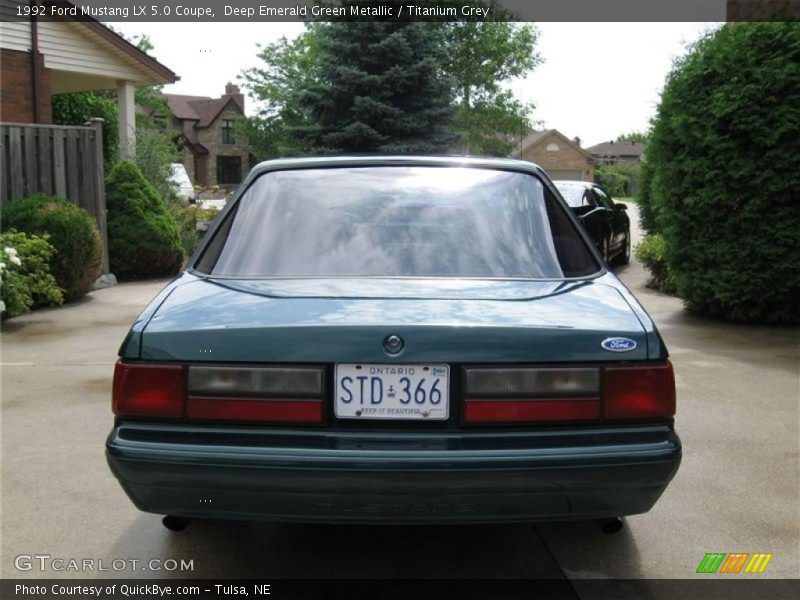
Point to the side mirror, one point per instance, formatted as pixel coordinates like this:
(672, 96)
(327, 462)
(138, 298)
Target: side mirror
(621, 206)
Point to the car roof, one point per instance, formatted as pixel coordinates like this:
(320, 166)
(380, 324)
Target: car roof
(377, 160)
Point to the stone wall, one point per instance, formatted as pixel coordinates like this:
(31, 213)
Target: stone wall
(211, 138)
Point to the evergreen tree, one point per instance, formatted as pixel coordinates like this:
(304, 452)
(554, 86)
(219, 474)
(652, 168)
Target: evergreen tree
(377, 87)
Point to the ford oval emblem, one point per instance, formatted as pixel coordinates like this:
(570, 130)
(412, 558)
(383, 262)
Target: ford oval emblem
(393, 344)
(618, 344)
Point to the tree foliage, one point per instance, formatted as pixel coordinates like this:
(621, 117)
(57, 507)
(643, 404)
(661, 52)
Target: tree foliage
(155, 153)
(725, 152)
(371, 64)
(286, 66)
(639, 137)
(79, 107)
(481, 58)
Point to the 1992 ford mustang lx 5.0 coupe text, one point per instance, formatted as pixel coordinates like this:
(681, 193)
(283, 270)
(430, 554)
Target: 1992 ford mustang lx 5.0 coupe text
(394, 339)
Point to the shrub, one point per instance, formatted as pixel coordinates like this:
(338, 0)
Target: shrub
(143, 238)
(187, 216)
(651, 252)
(77, 260)
(725, 151)
(616, 179)
(25, 278)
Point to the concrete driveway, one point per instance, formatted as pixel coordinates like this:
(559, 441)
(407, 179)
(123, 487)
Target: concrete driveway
(738, 489)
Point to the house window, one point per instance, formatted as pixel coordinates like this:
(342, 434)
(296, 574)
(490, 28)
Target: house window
(229, 170)
(227, 132)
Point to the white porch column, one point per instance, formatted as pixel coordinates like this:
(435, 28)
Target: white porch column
(127, 120)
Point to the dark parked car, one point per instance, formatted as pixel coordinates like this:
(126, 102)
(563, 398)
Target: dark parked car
(606, 221)
(394, 340)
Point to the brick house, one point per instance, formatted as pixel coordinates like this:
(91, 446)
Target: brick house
(561, 157)
(213, 152)
(42, 58)
(629, 154)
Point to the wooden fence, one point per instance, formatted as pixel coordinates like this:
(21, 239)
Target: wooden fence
(57, 161)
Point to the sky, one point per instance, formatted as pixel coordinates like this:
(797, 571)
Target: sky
(597, 81)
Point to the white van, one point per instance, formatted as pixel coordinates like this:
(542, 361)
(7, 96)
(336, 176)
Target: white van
(181, 184)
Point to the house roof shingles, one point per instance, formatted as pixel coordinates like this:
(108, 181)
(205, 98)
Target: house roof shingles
(201, 108)
(632, 149)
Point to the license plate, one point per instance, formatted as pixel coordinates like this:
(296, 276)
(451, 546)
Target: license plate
(392, 392)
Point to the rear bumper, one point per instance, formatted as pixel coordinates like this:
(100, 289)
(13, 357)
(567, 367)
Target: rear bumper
(316, 476)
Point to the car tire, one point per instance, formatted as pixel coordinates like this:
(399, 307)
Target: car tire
(624, 257)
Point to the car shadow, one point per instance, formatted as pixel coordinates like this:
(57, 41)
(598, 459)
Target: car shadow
(245, 549)
(253, 549)
(598, 565)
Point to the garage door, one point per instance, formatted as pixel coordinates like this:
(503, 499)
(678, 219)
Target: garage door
(570, 175)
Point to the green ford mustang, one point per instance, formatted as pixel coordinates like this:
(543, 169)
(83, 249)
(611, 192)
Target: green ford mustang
(394, 340)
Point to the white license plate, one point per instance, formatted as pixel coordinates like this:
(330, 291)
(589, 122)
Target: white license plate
(392, 392)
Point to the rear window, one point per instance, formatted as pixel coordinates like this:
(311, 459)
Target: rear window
(575, 195)
(397, 221)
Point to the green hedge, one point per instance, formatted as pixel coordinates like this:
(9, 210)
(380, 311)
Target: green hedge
(77, 260)
(644, 199)
(725, 152)
(143, 238)
(25, 274)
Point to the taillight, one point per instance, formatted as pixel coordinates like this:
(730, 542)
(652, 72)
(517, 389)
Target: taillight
(532, 394)
(495, 395)
(233, 409)
(255, 381)
(646, 392)
(230, 393)
(148, 390)
(532, 382)
(499, 411)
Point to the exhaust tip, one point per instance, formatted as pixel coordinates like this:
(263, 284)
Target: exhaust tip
(176, 524)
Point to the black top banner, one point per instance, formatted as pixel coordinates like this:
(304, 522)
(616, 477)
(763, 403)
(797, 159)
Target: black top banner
(181, 11)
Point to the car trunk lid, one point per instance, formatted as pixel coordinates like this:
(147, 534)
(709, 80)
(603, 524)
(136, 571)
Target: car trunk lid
(347, 320)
